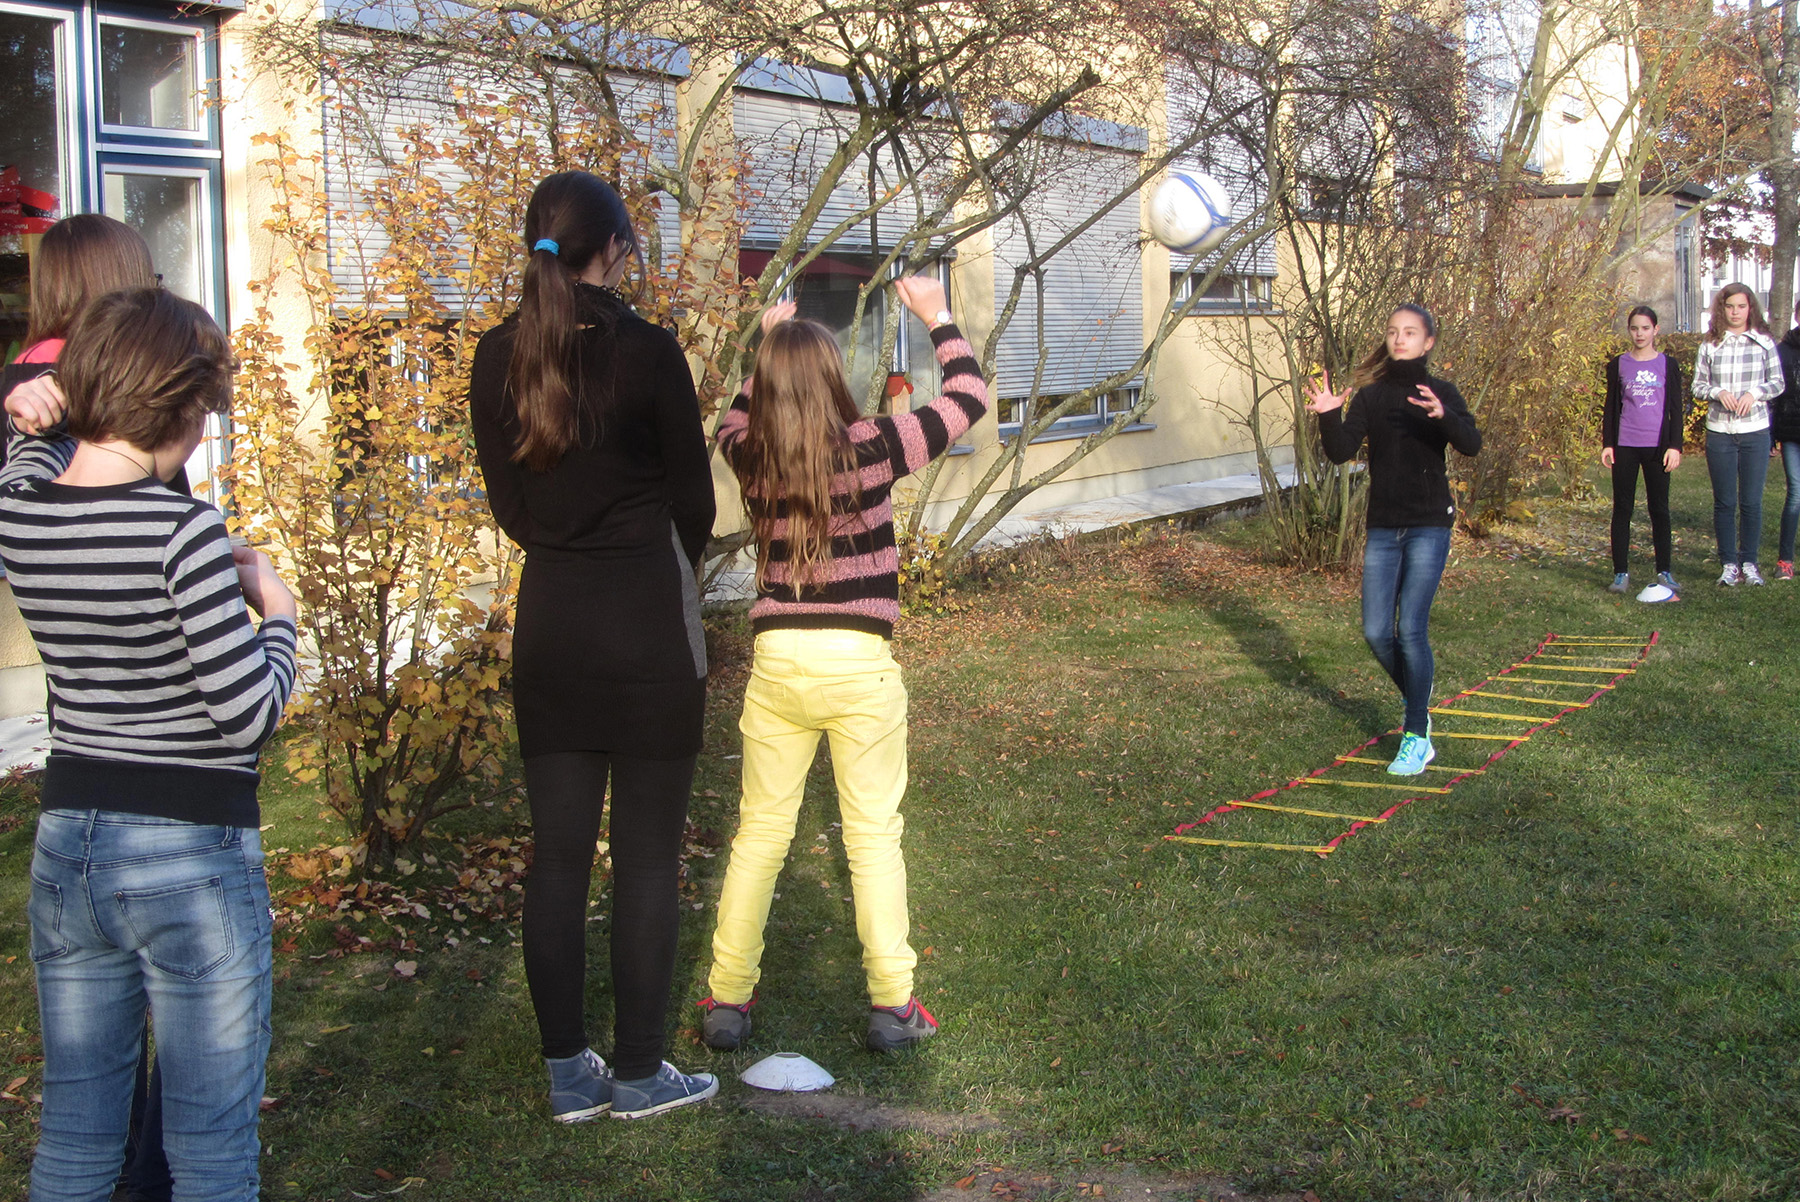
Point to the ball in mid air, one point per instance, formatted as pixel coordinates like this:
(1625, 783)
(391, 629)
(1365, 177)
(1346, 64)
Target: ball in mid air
(1190, 213)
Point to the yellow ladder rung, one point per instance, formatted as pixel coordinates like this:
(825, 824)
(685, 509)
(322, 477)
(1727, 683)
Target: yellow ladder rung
(1555, 668)
(1363, 759)
(1608, 659)
(1534, 700)
(1579, 684)
(1439, 709)
(1369, 784)
(1323, 851)
(1588, 643)
(1263, 805)
(1447, 734)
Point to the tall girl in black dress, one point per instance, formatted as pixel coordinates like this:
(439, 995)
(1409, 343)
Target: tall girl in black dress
(590, 443)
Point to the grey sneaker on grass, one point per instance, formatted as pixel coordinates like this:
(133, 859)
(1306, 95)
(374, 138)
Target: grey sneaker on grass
(1668, 582)
(581, 1087)
(1750, 573)
(1621, 582)
(669, 1088)
(894, 1027)
(726, 1025)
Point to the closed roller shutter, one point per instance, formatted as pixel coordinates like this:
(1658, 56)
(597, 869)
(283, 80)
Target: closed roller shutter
(1093, 291)
(366, 132)
(787, 142)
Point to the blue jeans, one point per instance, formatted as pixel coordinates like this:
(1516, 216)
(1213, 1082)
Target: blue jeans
(1790, 511)
(1401, 569)
(129, 911)
(1738, 465)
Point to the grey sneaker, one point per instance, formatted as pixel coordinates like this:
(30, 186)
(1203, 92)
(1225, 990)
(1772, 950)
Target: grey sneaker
(581, 1087)
(668, 1089)
(1668, 582)
(1730, 576)
(894, 1027)
(1621, 582)
(1751, 574)
(726, 1025)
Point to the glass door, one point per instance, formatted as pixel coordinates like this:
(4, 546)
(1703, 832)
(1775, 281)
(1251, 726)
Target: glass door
(36, 174)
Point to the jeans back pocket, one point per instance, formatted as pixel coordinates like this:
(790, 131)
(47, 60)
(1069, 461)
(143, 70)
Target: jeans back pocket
(184, 930)
(45, 909)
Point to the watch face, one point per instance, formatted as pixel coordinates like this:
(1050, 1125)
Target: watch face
(943, 316)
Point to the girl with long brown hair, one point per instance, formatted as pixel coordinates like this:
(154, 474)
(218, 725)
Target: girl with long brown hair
(1408, 417)
(817, 480)
(596, 464)
(1737, 373)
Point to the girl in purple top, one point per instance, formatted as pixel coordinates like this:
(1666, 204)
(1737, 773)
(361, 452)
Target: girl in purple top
(1641, 428)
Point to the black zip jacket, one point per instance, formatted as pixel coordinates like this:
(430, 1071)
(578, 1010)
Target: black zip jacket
(1675, 407)
(1407, 484)
(1784, 410)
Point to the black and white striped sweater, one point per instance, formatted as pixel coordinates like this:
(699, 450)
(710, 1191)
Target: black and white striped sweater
(161, 689)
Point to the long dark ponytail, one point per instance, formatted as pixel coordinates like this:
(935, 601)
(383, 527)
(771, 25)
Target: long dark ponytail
(572, 217)
(1376, 363)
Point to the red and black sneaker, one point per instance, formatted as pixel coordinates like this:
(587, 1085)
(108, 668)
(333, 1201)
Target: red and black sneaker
(894, 1027)
(726, 1025)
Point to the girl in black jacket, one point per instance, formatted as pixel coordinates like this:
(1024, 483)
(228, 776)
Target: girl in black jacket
(594, 461)
(1408, 418)
(1641, 427)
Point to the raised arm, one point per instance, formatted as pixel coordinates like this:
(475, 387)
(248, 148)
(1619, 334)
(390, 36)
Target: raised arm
(35, 456)
(245, 674)
(917, 437)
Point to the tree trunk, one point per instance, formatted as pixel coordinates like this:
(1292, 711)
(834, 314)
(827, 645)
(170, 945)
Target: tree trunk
(1778, 48)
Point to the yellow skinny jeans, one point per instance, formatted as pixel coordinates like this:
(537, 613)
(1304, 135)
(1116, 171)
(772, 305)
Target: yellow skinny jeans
(845, 684)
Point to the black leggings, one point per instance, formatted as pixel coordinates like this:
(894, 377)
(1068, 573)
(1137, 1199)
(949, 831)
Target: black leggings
(649, 811)
(1626, 461)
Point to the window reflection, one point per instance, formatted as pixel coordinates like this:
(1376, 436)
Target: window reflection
(148, 78)
(166, 210)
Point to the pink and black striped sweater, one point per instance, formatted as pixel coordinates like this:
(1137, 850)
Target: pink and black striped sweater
(860, 588)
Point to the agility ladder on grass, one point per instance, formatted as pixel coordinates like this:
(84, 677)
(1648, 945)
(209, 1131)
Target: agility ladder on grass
(1599, 664)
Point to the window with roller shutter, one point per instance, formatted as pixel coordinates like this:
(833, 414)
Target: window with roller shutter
(1229, 113)
(1092, 314)
(367, 133)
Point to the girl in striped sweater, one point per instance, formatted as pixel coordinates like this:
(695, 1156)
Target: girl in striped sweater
(817, 481)
(147, 881)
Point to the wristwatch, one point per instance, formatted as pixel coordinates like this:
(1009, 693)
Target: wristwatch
(940, 318)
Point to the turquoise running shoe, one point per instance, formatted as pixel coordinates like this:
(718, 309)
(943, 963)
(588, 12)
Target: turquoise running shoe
(1415, 752)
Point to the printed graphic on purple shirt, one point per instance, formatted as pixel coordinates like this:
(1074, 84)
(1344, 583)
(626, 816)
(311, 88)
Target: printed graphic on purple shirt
(1641, 416)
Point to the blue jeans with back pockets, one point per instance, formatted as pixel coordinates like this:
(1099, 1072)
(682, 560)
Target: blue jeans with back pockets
(1401, 569)
(128, 912)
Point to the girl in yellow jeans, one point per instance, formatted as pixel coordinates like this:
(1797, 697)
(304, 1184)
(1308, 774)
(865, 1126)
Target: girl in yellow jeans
(817, 480)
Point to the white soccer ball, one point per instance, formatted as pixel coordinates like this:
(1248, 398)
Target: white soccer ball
(1189, 212)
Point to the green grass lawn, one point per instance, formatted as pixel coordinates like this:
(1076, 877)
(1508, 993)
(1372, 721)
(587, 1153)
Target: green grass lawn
(1574, 977)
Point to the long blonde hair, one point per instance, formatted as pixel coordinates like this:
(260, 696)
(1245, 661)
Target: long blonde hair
(798, 440)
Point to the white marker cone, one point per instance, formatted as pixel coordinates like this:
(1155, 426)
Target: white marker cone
(787, 1072)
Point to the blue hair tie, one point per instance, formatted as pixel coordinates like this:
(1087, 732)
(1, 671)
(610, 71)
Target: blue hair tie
(548, 244)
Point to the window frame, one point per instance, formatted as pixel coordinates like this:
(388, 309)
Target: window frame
(1181, 287)
(205, 75)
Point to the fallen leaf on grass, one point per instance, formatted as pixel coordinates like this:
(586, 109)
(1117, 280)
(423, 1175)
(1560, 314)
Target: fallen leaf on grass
(1564, 1114)
(966, 1182)
(406, 968)
(334, 1030)
(384, 1174)
(269, 1103)
(1625, 1137)
(1056, 1062)
(1418, 1103)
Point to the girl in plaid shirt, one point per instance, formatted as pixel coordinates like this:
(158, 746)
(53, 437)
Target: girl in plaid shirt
(1737, 374)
